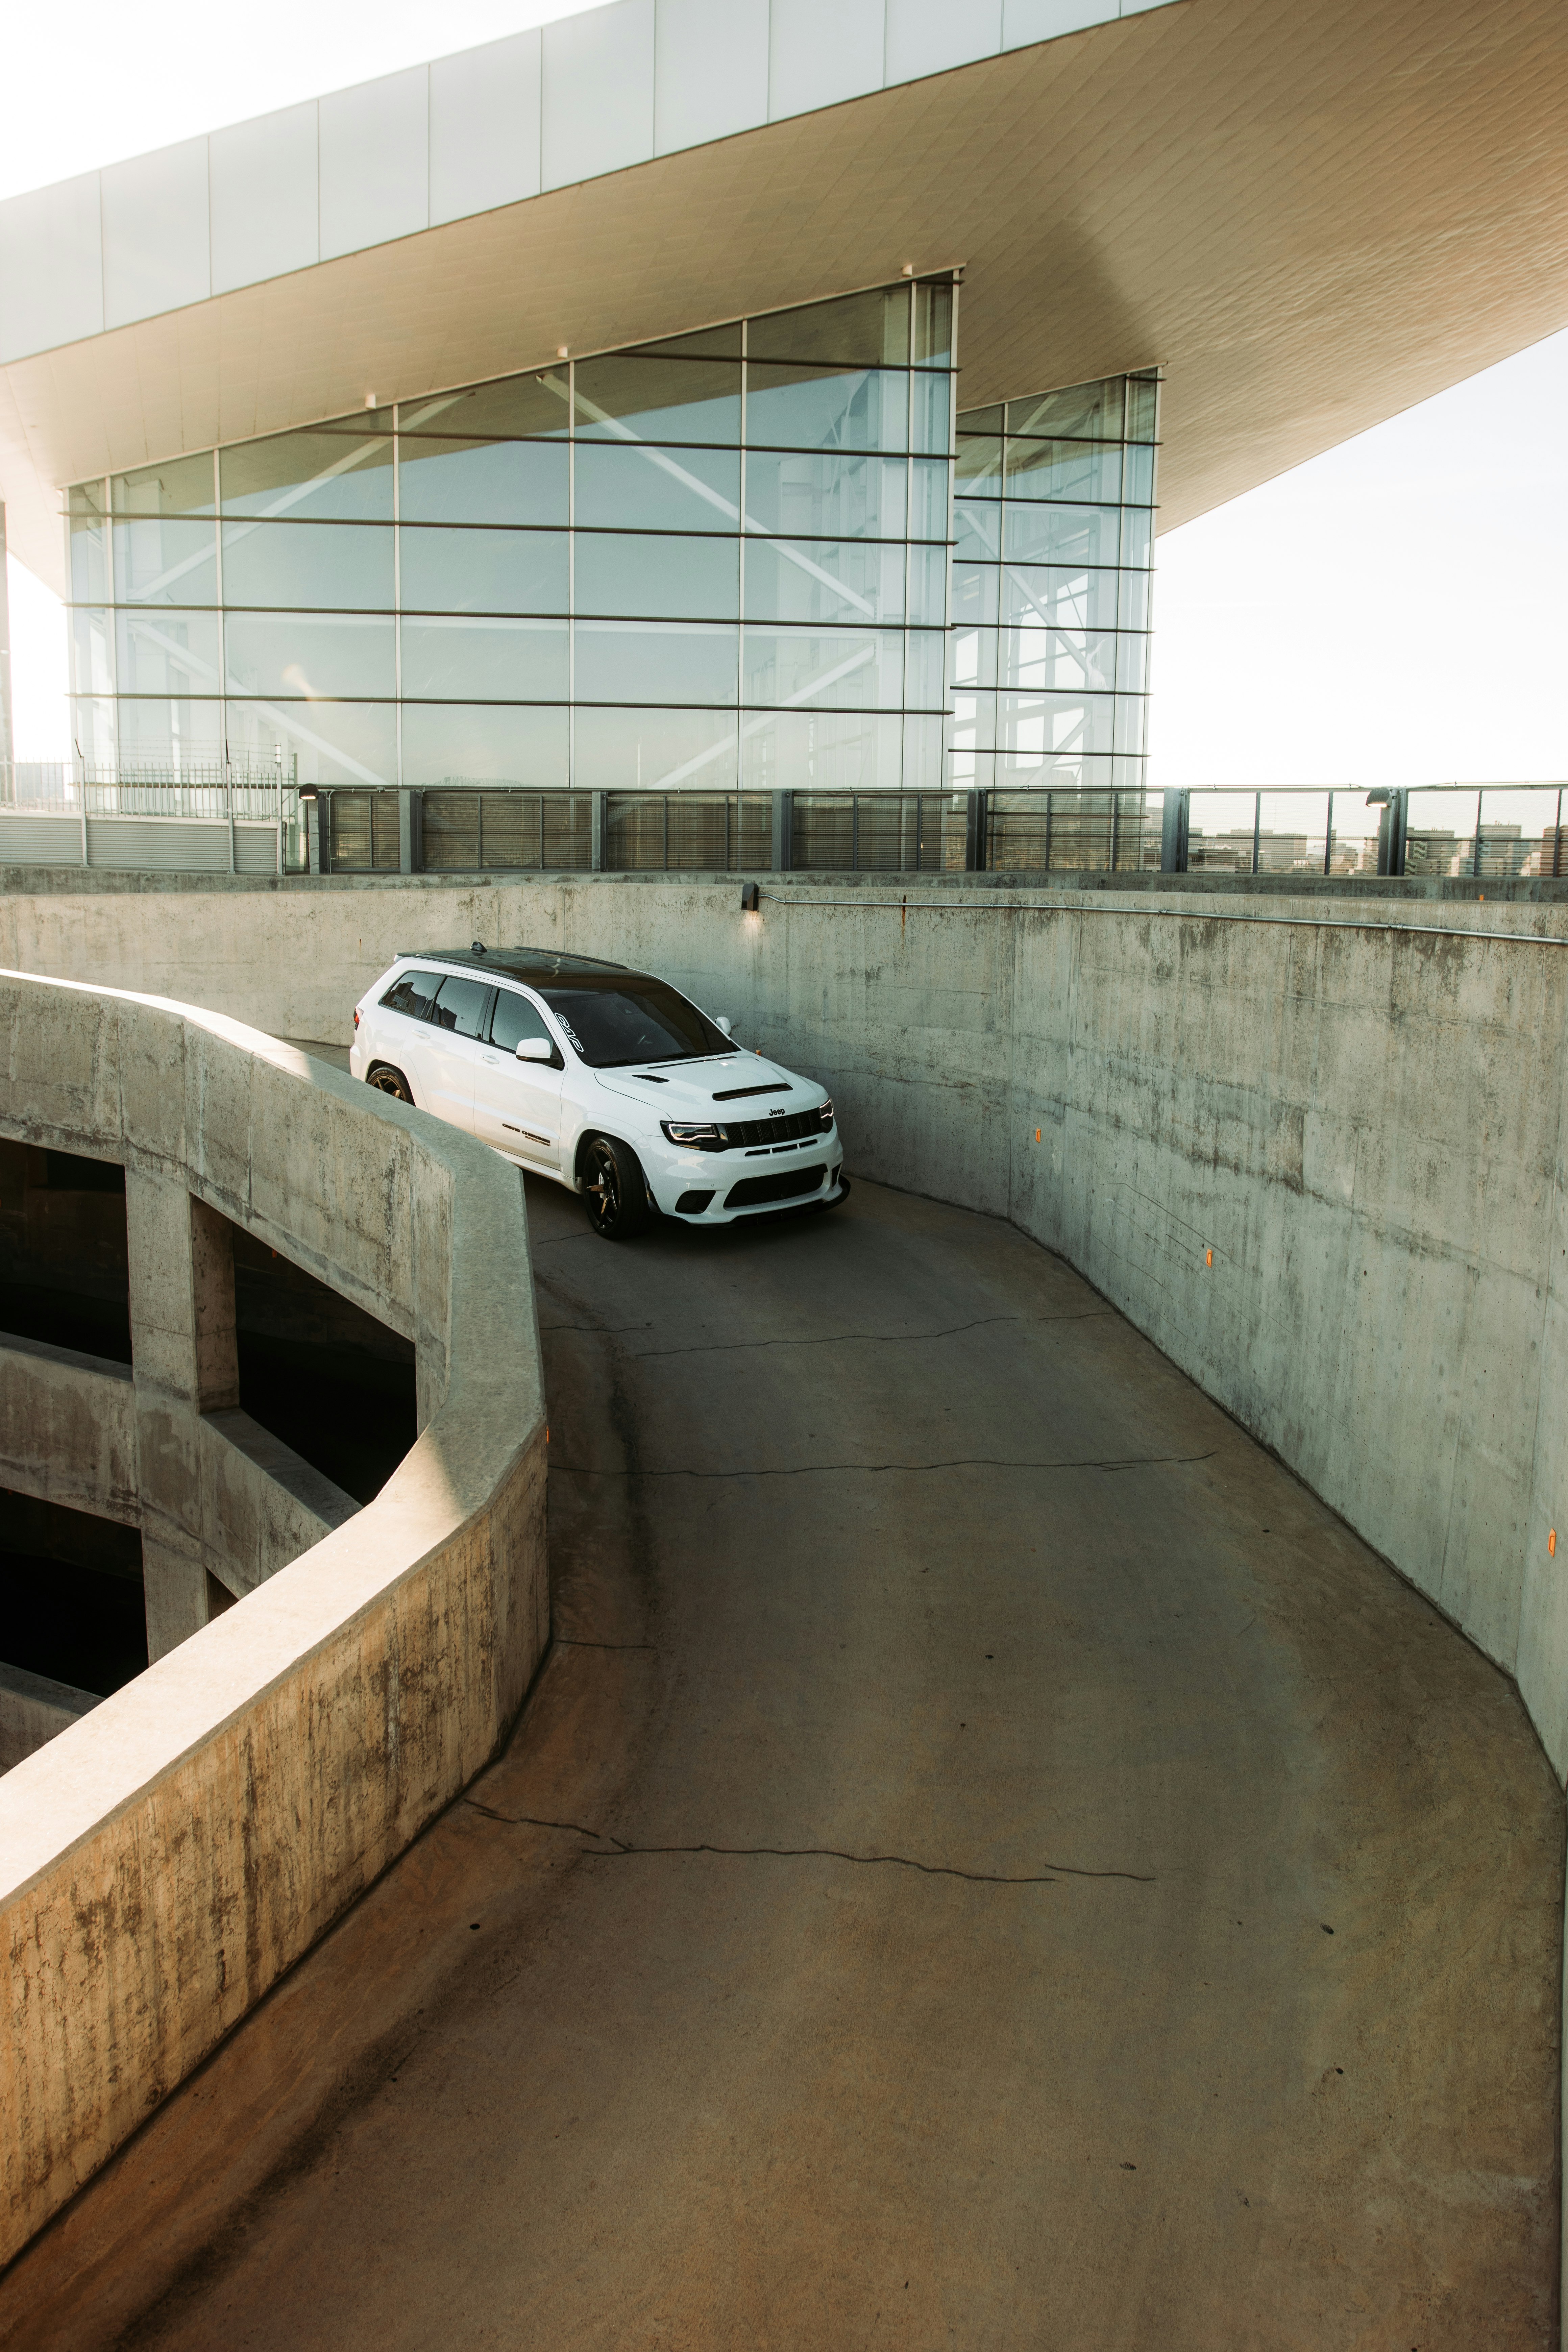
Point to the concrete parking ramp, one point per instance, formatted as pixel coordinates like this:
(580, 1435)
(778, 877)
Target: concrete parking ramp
(989, 1861)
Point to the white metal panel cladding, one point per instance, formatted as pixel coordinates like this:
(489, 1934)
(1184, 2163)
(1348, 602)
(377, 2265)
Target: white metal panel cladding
(1027, 21)
(597, 104)
(265, 199)
(51, 268)
(823, 51)
(711, 71)
(463, 135)
(156, 252)
(484, 127)
(375, 162)
(927, 37)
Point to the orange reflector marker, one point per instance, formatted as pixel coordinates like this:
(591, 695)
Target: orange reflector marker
(1552, 1543)
(1208, 1257)
(1037, 1135)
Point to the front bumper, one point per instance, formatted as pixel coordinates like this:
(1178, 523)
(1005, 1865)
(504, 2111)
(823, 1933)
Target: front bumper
(697, 1188)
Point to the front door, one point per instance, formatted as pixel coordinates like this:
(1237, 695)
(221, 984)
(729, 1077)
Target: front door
(517, 1105)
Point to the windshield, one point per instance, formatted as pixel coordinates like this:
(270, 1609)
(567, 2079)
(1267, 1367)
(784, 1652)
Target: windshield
(630, 1019)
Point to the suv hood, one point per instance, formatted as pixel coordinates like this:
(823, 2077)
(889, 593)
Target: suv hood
(687, 1092)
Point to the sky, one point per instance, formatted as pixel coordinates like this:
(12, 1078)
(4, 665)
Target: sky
(1323, 629)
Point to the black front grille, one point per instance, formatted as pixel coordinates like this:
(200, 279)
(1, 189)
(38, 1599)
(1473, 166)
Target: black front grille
(788, 1130)
(785, 1186)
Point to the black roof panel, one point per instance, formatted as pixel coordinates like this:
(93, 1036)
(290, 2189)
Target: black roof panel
(532, 964)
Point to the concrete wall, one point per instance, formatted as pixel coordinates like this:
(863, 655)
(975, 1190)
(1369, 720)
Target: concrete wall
(68, 1429)
(1363, 1126)
(34, 1709)
(164, 1859)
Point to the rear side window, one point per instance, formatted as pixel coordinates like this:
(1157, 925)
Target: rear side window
(413, 993)
(514, 1019)
(460, 1006)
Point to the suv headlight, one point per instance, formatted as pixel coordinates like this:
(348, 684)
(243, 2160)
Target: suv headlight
(685, 1132)
(827, 1115)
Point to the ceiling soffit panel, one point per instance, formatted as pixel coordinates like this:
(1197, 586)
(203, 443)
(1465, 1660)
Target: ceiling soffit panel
(1311, 217)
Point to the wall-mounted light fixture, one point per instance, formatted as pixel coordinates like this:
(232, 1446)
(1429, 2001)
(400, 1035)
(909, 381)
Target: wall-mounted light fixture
(308, 793)
(750, 898)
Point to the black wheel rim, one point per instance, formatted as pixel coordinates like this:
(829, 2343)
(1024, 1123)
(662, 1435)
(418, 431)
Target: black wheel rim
(384, 1082)
(603, 1186)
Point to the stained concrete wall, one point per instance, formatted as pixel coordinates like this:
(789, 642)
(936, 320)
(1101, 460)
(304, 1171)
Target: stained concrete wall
(34, 1709)
(1363, 1126)
(68, 1428)
(164, 1859)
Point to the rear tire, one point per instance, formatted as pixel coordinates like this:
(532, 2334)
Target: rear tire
(615, 1190)
(388, 1081)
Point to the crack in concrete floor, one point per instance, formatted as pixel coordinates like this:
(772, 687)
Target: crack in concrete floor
(623, 1850)
(878, 1469)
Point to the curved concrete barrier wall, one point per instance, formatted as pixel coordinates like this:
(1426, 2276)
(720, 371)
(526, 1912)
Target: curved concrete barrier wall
(1363, 1126)
(168, 1856)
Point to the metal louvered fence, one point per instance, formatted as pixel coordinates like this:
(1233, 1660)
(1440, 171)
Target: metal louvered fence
(218, 819)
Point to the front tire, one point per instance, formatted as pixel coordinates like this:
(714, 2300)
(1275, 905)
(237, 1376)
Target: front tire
(388, 1081)
(615, 1190)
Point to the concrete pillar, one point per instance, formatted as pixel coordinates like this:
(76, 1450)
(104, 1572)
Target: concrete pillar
(8, 745)
(410, 808)
(783, 832)
(1174, 832)
(183, 1363)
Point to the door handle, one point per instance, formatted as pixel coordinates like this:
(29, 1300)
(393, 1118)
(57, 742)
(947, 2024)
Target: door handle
(491, 1059)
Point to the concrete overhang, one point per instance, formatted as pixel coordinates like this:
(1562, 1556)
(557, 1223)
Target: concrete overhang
(1311, 212)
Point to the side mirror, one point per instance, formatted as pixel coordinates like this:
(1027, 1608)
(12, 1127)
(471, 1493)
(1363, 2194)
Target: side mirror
(536, 1049)
(723, 1019)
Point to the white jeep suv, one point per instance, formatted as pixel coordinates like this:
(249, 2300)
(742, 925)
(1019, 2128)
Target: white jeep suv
(607, 1079)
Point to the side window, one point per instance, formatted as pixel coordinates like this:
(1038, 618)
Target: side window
(514, 1019)
(413, 993)
(460, 1006)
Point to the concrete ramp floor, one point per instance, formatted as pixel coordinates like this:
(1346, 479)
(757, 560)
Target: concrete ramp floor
(989, 1862)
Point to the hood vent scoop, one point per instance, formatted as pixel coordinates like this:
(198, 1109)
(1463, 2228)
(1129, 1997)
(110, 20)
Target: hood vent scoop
(733, 1094)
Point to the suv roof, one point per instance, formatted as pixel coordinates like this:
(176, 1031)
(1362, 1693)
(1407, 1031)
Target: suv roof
(532, 964)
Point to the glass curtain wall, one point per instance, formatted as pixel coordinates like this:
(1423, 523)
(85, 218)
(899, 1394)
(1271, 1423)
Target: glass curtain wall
(1053, 548)
(716, 563)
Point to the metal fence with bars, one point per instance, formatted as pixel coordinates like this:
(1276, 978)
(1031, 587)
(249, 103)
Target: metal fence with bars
(212, 817)
(219, 817)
